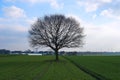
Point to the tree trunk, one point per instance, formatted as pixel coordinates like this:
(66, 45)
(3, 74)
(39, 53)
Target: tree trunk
(56, 53)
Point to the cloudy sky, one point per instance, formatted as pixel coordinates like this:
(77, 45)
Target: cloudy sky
(100, 19)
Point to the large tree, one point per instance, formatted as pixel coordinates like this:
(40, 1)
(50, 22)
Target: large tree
(56, 32)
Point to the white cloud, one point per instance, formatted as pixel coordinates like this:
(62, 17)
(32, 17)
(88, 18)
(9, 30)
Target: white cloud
(20, 28)
(92, 5)
(106, 12)
(110, 14)
(31, 21)
(14, 27)
(53, 3)
(89, 6)
(15, 20)
(75, 16)
(104, 37)
(16, 24)
(14, 12)
(94, 16)
(105, 1)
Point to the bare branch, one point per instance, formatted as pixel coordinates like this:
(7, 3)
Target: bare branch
(56, 32)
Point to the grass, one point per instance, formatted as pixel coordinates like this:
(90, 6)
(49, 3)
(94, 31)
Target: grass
(21, 67)
(65, 70)
(18, 67)
(107, 67)
(39, 68)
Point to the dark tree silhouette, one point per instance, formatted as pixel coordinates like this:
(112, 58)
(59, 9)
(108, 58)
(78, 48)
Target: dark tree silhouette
(56, 32)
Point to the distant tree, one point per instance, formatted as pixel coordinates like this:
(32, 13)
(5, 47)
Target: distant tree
(4, 51)
(56, 32)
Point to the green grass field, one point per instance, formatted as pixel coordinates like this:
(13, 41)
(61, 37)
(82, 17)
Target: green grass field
(107, 67)
(68, 68)
(39, 68)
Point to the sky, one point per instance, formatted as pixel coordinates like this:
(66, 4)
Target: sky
(99, 18)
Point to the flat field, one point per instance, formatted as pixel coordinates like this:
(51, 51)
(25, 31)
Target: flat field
(39, 68)
(103, 67)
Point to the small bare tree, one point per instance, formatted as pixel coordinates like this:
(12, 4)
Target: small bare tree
(56, 32)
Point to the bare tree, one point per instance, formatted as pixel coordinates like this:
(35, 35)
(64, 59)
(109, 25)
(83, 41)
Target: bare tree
(56, 32)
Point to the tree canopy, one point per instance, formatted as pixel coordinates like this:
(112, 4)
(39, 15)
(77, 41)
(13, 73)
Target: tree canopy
(56, 31)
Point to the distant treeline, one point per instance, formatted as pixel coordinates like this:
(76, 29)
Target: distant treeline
(4, 51)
